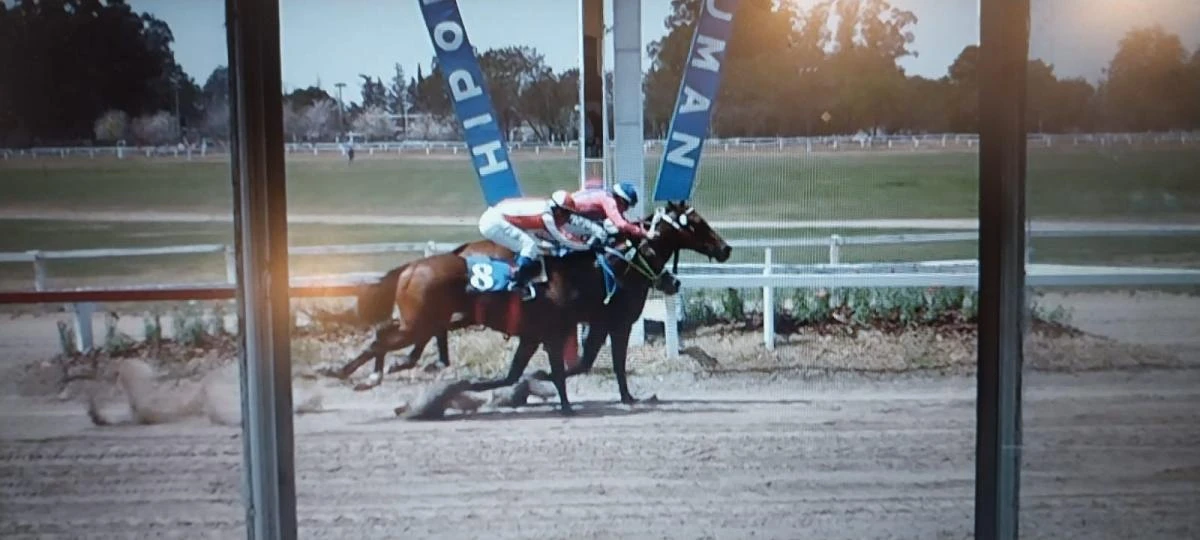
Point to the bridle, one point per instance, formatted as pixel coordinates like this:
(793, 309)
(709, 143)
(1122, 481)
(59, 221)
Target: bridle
(678, 222)
(637, 261)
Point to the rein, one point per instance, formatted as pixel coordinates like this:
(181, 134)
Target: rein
(637, 262)
(660, 216)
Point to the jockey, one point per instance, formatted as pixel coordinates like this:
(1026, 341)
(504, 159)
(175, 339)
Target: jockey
(525, 225)
(612, 204)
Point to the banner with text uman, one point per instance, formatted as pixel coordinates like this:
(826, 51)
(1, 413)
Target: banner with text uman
(693, 106)
(472, 104)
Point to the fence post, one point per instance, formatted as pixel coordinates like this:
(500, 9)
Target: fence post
(671, 327)
(230, 266)
(835, 249)
(39, 271)
(768, 304)
(637, 334)
(430, 248)
(84, 340)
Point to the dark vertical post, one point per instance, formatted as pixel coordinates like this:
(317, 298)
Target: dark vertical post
(1003, 56)
(260, 224)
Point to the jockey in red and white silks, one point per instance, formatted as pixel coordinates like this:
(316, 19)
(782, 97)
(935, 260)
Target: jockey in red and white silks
(526, 225)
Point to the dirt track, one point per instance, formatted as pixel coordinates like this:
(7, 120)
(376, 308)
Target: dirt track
(1106, 455)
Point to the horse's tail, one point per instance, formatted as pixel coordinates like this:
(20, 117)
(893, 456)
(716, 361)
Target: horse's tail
(376, 300)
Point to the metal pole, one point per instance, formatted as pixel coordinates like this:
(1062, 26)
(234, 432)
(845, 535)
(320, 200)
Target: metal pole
(629, 155)
(341, 108)
(768, 308)
(582, 116)
(260, 221)
(1003, 56)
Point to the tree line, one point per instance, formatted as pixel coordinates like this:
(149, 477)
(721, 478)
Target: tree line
(92, 72)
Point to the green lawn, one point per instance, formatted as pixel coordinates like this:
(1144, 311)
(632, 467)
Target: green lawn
(1126, 183)
(1123, 182)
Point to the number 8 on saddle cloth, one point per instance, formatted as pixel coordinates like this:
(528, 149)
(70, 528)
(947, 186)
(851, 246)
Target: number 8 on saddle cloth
(486, 274)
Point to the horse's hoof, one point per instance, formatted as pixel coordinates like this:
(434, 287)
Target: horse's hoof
(629, 400)
(363, 387)
(568, 411)
(330, 372)
(540, 375)
(396, 368)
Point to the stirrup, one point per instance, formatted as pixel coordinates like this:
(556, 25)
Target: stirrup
(528, 292)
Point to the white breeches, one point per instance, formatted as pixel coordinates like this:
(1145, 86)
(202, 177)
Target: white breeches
(494, 227)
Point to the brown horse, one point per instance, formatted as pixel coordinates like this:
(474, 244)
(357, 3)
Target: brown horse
(679, 227)
(433, 298)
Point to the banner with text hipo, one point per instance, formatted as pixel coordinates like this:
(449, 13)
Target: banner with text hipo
(472, 104)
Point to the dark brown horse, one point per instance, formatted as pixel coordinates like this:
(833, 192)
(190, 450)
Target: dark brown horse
(679, 228)
(433, 298)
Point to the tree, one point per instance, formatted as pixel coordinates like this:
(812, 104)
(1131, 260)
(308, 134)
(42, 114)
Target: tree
(216, 121)
(963, 79)
(871, 36)
(1194, 88)
(548, 104)
(374, 122)
(216, 87)
(154, 129)
(509, 73)
(91, 57)
(319, 118)
(1147, 86)
(304, 98)
(429, 93)
(111, 126)
(374, 93)
(760, 66)
(293, 122)
(397, 92)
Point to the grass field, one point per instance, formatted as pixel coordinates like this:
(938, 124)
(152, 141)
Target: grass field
(1125, 182)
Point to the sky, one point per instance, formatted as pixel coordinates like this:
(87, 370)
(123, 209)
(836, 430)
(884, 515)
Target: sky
(330, 45)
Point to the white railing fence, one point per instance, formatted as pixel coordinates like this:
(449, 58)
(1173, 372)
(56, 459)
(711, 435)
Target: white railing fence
(925, 141)
(767, 275)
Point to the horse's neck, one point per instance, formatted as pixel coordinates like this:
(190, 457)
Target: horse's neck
(668, 250)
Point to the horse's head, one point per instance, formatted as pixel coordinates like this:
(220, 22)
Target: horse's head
(640, 258)
(684, 228)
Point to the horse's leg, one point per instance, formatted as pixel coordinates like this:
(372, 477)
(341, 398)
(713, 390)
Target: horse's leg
(413, 356)
(443, 345)
(558, 368)
(591, 349)
(520, 359)
(387, 339)
(367, 354)
(620, 346)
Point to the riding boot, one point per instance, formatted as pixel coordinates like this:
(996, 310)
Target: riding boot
(522, 281)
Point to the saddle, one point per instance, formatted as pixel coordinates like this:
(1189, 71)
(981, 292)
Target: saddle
(486, 275)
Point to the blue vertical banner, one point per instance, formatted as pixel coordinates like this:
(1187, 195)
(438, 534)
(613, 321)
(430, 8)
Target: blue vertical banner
(693, 107)
(472, 104)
